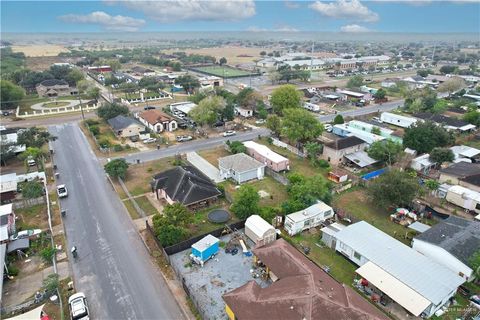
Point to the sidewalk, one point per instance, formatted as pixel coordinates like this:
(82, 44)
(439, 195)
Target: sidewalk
(20, 289)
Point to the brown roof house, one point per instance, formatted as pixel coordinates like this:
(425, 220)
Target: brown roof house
(55, 88)
(334, 151)
(157, 121)
(300, 290)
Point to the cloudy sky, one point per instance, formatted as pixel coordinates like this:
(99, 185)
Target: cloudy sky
(241, 15)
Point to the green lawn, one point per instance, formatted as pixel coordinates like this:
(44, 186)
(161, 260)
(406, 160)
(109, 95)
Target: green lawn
(131, 209)
(355, 203)
(223, 71)
(201, 224)
(56, 104)
(146, 206)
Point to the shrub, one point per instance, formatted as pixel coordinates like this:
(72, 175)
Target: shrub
(323, 163)
(51, 282)
(104, 143)
(117, 148)
(91, 122)
(47, 254)
(13, 270)
(95, 130)
(270, 140)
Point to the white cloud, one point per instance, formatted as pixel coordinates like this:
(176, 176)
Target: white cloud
(345, 9)
(113, 23)
(354, 28)
(283, 28)
(175, 10)
(291, 4)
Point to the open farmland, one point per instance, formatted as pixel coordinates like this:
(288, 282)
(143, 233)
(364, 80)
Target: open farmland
(35, 50)
(223, 71)
(234, 54)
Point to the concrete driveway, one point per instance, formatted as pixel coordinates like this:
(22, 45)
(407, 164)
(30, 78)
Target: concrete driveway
(204, 166)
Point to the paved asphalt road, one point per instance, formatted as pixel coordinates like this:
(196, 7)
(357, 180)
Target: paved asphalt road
(388, 106)
(194, 145)
(113, 267)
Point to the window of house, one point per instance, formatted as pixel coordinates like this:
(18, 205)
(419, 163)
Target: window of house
(477, 206)
(357, 255)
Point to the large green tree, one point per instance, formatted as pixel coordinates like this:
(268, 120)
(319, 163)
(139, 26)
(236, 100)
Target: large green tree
(34, 137)
(424, 136)
(300, 126)
(117, 168)
(32, 189)
(452, 85)
(386, 151)
(10, 95)
(274, 123)
(393, 188)
(111, 110)
(355, 82)
(473, 117)
(285, 97)
(208, 110)
(440, 155)
(189, 83)
(338, 119)
(246, 202)
(305, 191)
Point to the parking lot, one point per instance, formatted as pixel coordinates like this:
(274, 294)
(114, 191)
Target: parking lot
(219, 275)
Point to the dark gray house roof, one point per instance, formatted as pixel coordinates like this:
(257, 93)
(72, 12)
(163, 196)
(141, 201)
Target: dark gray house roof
(462, 169)
(460, 237)
(121, 122)
(185, 185)
(344, 143)
(53, 82)
(440, 119)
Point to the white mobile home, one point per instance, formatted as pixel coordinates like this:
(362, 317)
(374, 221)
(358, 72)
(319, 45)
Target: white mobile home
(397, 120)
(259, 230)
(311, 107)
(465, 198)
(308, 218)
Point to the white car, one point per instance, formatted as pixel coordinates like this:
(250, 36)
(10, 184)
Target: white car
(328, 127)
(149, 140)
(77, 304)
(62, 191)
(26, 234)
(229, 133)
(260, 121)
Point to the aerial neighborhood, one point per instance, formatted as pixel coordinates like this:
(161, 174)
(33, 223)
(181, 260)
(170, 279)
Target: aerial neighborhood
(271, 173)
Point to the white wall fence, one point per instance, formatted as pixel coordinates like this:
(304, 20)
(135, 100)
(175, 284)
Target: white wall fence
(59, 110)
(290, 148)
(161, 96)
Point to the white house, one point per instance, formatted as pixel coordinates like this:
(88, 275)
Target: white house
(259, 230)
(157, 121)
(310, 217)
(417, 283)
(397, 120)
(246, 113)
(422, 163)
(451, 242)
(10, 136)
(8, 187)
(464, 197)
(241, 168)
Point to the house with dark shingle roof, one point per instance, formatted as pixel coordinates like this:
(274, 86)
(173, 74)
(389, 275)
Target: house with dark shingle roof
(335, 151)
(55, 88)
(465, 174)
(449, 123)
(125, 127)
(185, 185)
(299, 290)
(451, 243)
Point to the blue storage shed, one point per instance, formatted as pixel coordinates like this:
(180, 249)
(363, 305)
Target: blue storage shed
(205, 248)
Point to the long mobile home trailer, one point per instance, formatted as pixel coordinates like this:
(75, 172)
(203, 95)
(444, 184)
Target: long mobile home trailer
(311, 106)
(397, 120)
(465, 198)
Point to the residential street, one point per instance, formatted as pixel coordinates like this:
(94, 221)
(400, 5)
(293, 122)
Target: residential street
(113, 267)
(194, 145)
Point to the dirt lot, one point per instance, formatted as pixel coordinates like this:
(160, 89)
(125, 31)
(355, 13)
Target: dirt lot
(230, 52)
(41, 63)
(32, 218)
(35, 50)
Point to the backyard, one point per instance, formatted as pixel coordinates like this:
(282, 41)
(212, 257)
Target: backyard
(222, 71)
(105, 138)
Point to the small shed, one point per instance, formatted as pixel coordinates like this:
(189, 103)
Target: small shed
(204, 249)
(328, 234)
(259, 230)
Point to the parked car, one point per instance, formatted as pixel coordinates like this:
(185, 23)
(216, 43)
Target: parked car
(25, 234)
(182, 125)
(377, 119)
(328, 127)
(260, 121)
(229, 133)
(149, 140)
(148, 108)
(62, 191)
(31, 162)
(219, 124)
(134, 138)
(184, 138)
(77, 304)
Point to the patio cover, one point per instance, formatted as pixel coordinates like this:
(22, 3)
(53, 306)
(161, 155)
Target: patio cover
(419, 227)
(360, 158)
(394, 288)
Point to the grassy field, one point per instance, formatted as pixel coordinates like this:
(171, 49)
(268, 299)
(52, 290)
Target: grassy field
(40, 50)
(233, 54)
(201, 224)
(146, 206)
(355, 203)
(34, 217)
(223, 71)
(56, 104)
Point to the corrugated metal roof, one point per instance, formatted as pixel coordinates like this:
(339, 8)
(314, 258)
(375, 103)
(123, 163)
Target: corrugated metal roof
(397, 290)
(432, 280)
